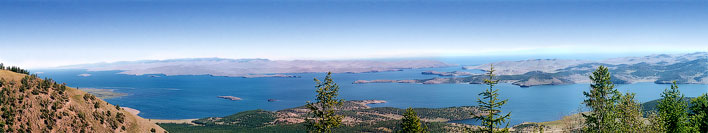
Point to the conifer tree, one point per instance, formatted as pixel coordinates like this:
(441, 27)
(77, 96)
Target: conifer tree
(630, 114)
(601, 101)
(656, 124)
(490, 104)
(699, 113)
(324, 108)
(410, 123)
(672, 110)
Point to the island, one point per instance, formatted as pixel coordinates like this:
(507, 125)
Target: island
(453, 73)
(232, 98)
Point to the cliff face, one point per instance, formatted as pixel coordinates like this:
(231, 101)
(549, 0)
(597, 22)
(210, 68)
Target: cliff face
(30, 104)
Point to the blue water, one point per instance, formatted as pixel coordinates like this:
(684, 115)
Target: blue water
(182, 97)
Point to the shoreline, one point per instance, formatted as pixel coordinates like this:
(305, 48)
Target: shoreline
(176, 121)
(131, 110)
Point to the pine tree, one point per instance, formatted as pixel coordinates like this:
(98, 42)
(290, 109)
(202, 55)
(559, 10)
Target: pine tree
(490, 104)
(672, 110)
(656, 124)
(630, 114)
(411, 123)
(323, 109)
(601, 100)
(699, 113)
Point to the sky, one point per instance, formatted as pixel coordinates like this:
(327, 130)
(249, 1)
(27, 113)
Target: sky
(40, 34)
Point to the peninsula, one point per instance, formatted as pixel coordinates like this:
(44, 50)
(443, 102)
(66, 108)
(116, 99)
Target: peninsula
(689, 68)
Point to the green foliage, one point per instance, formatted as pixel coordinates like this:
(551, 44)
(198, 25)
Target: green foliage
(15, 69)
(96, 105)
(629, 113)
(672, 110)
(490, 104)
(324, 108)
(601, 100)
(120, 117)
(437, 127)
(410, 123)
(450, 113)
(88, 97)
(253, 118)
(699, 113)
(650, 106)
(656, 124)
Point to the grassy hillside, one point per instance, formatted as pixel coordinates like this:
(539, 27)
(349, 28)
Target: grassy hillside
(30, 104)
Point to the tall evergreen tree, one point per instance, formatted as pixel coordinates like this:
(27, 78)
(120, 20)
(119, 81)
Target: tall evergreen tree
(699, 113)
(410, 123)
(672, 110)
(323, 110)
(601, 101)
(490, 104)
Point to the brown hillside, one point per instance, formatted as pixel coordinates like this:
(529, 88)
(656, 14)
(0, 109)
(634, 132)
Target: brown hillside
(30, 104)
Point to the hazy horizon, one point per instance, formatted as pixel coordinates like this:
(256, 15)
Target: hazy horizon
(41, 34)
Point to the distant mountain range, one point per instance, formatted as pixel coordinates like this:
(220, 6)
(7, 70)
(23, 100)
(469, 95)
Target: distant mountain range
(689, 68)
(662, 68)
(254, 67)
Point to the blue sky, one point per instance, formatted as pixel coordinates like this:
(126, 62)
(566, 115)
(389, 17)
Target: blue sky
(55, 33)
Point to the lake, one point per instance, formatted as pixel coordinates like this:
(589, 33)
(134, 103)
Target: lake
(184, 97)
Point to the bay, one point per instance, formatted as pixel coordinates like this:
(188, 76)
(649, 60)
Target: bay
(195, 96)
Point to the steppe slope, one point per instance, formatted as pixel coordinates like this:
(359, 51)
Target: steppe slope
(30, 104)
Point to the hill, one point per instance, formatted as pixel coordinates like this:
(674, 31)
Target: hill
(31, 104)
(650, 106)
(661, 69)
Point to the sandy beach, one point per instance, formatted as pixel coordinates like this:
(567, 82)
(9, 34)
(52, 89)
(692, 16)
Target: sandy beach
(131, 110)
(179, 121)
